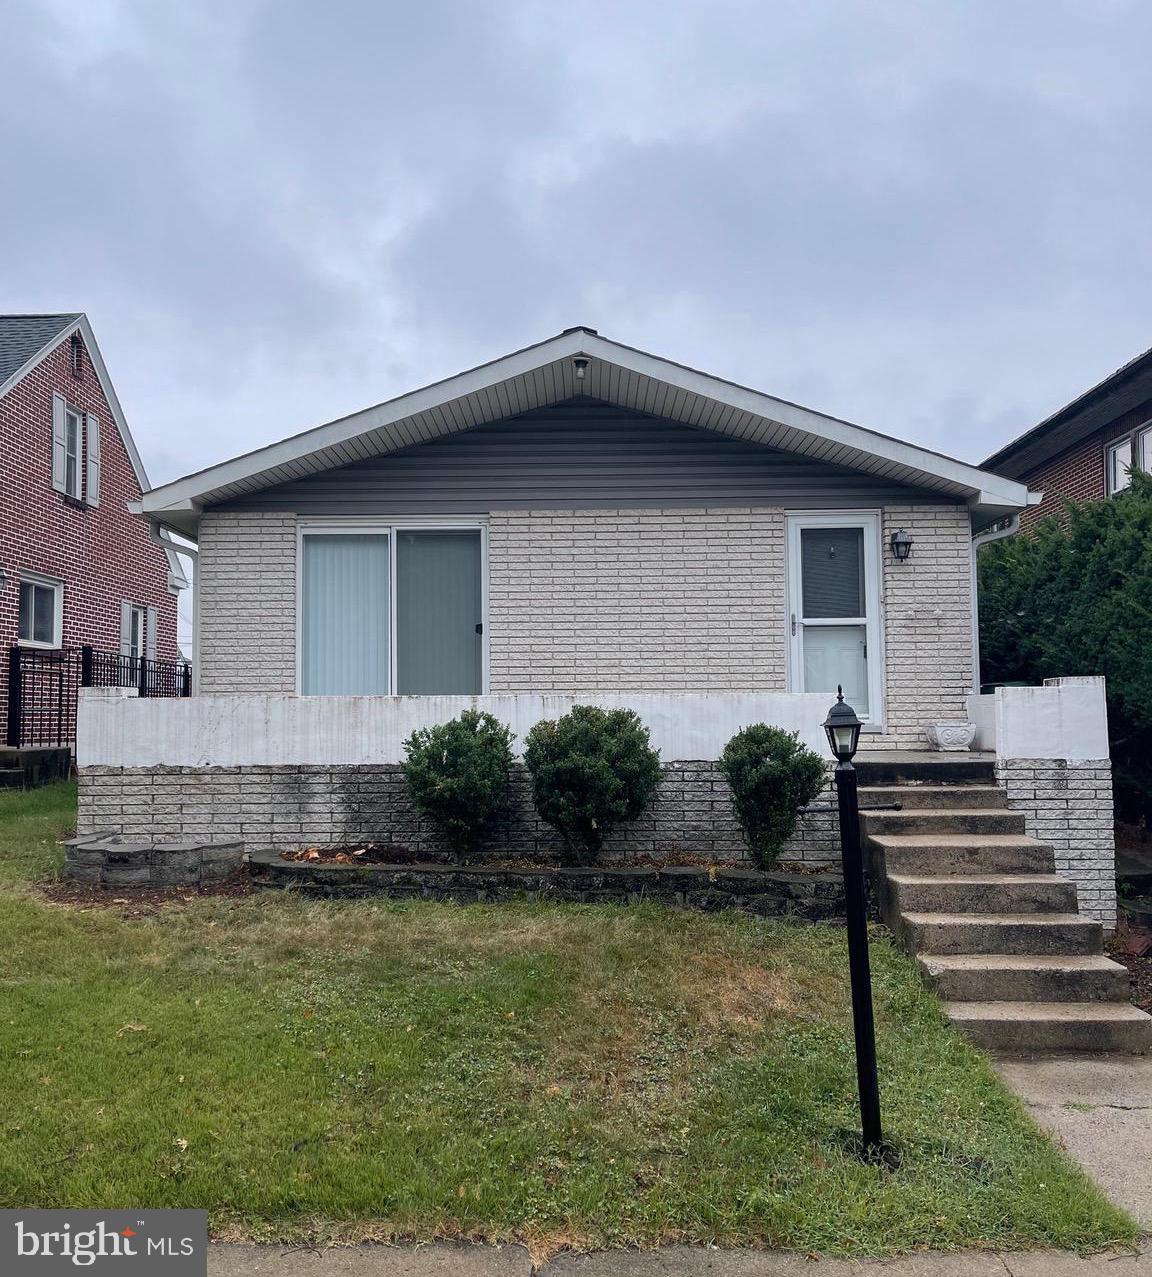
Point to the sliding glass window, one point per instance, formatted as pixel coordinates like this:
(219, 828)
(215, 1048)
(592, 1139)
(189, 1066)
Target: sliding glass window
(398, 610)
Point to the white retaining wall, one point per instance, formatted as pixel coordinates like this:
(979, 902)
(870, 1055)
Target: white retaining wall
(272, 730)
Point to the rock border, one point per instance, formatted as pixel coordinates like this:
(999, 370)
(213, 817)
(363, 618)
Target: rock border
(814, 897)
(111, 860)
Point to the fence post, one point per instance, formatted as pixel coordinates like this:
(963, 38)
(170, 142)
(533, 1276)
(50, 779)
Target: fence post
(186, 680)
(13, 737)
(86, 666)
(142, 680)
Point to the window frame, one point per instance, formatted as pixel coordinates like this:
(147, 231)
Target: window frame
(47, 583)
(390, 528)
(74, 416)
(1139, 441)
(136, 612)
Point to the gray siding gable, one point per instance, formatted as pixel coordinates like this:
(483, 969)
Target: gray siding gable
(581, 454)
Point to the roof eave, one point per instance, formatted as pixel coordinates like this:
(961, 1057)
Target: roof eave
(619, 372)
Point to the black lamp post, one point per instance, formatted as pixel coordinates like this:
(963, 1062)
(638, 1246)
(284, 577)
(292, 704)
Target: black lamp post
(842, 727)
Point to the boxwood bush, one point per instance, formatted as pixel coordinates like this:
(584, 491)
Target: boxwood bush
(457, 774)
(771, 773)
(590, 769)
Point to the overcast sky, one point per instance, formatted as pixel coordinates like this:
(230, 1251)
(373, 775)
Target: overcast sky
(932, 219)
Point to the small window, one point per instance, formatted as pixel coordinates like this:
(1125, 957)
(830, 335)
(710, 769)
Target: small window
(134, 639)
(1145, 441)
(1119, 465)
(73, 446)
(41, 612)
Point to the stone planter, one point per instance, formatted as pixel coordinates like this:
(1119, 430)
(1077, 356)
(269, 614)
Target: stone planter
(110, 860)
(951, 737)
(815, 897)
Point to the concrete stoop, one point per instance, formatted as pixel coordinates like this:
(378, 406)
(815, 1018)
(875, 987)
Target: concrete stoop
(993, 926)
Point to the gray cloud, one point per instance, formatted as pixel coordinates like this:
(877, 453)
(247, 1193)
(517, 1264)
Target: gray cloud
(930, 220)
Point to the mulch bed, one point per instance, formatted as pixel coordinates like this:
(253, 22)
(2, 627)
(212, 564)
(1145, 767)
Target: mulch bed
(371, 853)
(1133, 949)
(140, 902)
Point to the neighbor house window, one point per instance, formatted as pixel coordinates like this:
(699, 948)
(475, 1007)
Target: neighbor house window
(1122, 454)
(138, 626)
(75, 452)
(391, 611)
(41, 612)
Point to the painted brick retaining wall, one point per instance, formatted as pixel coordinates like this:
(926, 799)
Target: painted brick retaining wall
(1068, 804)
(280, 807)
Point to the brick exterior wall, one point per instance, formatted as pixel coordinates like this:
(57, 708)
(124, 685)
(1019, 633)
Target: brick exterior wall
(672, 600)
(1068, 804)
(1077, 474)
(246, 610)
(605, 600)
(928, 638)
(103, 554)
(276, 808)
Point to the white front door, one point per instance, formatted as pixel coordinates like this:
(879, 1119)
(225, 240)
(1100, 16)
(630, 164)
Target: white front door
(834, 608)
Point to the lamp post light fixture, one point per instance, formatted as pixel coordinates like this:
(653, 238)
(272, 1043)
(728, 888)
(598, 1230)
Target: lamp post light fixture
(901, 543)
(842, 727)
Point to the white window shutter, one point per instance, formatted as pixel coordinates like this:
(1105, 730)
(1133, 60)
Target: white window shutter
(125, 628)
(150, 634)
(92, 447)
(59, 460)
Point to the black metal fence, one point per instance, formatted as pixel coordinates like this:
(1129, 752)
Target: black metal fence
(44, 688)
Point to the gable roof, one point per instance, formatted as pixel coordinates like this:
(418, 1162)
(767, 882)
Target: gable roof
(27, 340)
(1120, 392)
(546, 374)
(23, 337)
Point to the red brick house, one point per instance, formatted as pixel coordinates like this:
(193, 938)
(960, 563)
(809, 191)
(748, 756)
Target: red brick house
(76, 567)
(1084, 452)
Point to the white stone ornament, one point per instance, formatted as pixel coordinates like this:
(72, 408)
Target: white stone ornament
(951, 737)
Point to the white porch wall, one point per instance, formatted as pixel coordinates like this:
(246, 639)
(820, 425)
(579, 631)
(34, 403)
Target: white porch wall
(272, 730)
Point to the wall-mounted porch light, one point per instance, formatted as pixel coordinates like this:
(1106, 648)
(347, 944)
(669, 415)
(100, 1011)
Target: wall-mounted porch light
(901, 543)
(580, 367)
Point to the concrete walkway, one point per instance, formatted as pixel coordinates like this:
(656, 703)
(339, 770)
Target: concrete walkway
(1100, 1109)
(444, 1260)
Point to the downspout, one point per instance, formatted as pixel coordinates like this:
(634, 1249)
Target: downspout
(984, 538)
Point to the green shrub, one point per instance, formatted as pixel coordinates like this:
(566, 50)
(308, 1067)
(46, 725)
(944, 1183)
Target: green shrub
(590, 770)
(771, 773)
(457, 774)
(1075, 597)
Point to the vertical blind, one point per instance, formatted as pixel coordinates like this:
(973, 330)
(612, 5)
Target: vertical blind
(344, 622)
(438, 611)
(346, 601)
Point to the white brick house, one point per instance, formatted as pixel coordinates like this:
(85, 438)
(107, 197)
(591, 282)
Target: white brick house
(575, 521)
(582, 517)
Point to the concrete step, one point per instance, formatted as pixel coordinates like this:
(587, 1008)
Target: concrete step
(931, 933)
(942, 820)
(940, 855)
(1026, 977)
(1024, 1028)
(982, 893)
(901, 767)
(919, 797)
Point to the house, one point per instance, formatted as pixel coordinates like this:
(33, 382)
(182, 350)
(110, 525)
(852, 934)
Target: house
(583, 522)
(77, 568)
(1084, 452)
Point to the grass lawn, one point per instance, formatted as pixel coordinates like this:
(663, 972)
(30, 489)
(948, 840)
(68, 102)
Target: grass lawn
(584, 1075)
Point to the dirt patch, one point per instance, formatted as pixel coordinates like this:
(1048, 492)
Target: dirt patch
(355, 853)
(1133, 949)
(140, 902)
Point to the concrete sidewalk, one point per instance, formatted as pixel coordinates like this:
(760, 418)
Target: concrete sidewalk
(449, 1260)
(1100, 1109)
